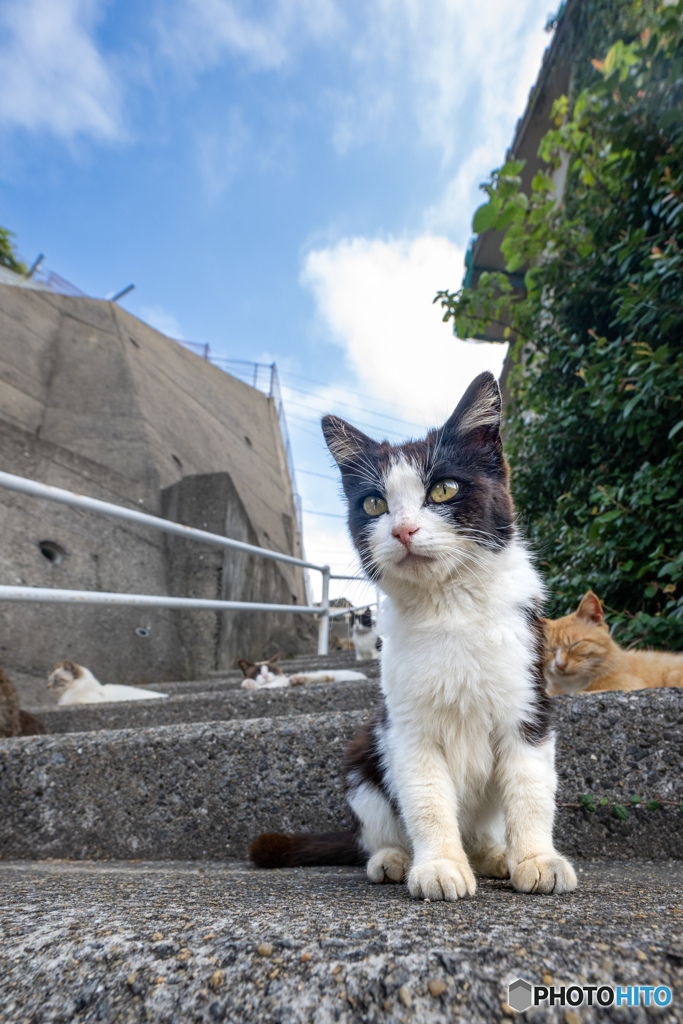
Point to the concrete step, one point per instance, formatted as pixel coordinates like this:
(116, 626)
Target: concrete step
(214, 706)
(35, 697)
(203, 791)
(174, 942)
(310, 663)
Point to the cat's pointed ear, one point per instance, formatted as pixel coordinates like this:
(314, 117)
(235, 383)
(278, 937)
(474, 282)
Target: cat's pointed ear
(69, 667)
(276, 657)
(478, 411)
(590, 609)
(347, 444)
(245, 665)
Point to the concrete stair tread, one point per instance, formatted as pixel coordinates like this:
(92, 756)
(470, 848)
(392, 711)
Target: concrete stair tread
(233, 679)
(82, 946)
(203, 791)
(212, 706)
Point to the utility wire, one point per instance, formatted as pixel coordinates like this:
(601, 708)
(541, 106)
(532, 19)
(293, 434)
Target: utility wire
(323, 476)
(332, 515)
(368, 426)
(371, 412)
(321, 384)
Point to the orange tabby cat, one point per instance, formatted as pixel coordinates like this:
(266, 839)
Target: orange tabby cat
(581, 655)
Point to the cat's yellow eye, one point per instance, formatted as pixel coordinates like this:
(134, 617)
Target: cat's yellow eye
(375, 506)
(444, 490)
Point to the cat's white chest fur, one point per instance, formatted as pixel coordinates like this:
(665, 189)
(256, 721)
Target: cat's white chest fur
(466, 652)
(365, 644)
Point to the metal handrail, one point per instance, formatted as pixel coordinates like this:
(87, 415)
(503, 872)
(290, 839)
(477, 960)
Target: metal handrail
(36, 490)
(22, 485)
(147, 600)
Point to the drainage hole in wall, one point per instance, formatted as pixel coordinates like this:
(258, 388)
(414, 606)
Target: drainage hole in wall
(143, 631)
(52, 551)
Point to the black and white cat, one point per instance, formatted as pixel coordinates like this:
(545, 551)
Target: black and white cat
(455, 771)
(366, 642)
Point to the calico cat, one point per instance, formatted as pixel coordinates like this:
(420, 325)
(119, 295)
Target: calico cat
(14, 721)
(581, 656)
(366, 640)
(267, 675)
(455, 771)
(74, 684)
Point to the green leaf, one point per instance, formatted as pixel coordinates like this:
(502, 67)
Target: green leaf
(636, 799)
(484, 217)
(652, 805)
(674, 430)
(603, 801)
(620, 812)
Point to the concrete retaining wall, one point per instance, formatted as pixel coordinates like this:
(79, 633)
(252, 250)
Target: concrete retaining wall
(95, 401)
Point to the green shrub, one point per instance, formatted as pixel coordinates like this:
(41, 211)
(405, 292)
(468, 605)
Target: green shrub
(595, 430)
(7, 254)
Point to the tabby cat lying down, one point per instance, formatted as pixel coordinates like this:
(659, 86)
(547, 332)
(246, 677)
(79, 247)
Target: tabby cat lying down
(582, 656)
(74, 684)
(267, 675)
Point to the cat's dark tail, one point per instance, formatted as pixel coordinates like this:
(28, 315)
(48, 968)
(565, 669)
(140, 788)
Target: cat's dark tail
(30, 725)
(273, 850)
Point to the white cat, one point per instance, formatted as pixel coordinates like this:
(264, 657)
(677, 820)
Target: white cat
(74, 684)
(365, 636)
(267, 675)
(455, 771)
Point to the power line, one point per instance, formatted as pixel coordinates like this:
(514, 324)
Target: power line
(372, 412)
(321, 384)
(331, 515)
(323, 476)
(368, 426)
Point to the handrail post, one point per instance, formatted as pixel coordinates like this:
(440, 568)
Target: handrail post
(324, 626)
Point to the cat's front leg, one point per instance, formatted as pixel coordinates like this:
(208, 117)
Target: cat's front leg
(440, 869)
(527, 779)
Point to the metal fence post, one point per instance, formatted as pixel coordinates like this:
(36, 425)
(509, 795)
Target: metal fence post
(324, 627)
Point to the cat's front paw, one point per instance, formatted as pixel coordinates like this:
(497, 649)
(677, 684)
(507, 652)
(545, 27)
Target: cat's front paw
(388, 865)
(298, 680)
(545, 874)
(441, 880)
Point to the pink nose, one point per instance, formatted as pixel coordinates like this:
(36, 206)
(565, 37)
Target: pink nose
(405, 534)
(561, 663)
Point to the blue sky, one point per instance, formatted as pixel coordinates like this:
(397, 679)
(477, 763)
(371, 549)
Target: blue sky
(289, 180)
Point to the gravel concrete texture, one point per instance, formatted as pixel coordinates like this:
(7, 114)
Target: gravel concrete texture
(172, 943)
(216, 706)
(203, 791)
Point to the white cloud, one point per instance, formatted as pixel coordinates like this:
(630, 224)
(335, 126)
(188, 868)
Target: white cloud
(162, 320)
(53, 75)
(374, 300)
(200, 32)
(444, 65)
(223, 152)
